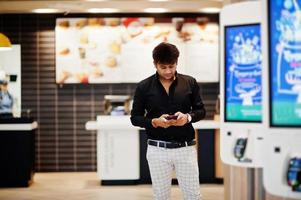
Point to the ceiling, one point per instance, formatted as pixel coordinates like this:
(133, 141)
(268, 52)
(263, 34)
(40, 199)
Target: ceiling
(122, 6)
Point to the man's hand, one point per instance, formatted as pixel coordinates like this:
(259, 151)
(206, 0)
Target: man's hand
(162, 121)
(181, 120)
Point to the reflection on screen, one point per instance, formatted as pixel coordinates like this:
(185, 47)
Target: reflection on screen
(243, 67)
(285, 62)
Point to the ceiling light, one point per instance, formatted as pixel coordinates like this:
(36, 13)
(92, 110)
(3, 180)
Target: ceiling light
(155, 10)
(45, 10)
(210, 10)
(102, 10)
(5, 44)
(158, 0)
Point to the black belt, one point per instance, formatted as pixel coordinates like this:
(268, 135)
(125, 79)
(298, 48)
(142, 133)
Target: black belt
(170, 145)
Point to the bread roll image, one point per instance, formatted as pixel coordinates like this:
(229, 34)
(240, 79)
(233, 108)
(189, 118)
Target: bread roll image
(64, 51)
(96, 72)
(111, 62)
(115, 47)
(96, 22)
(64, 24)
(113, 21)
(81, 23)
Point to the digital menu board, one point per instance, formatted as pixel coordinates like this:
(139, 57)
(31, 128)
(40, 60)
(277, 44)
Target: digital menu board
(96, 50)
(243, 70)
(284, 24)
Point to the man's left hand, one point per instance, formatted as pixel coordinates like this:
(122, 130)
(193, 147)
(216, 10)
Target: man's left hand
(181, 120)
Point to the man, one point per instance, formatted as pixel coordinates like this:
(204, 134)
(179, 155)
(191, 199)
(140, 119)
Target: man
(166, 104)
(6, 101)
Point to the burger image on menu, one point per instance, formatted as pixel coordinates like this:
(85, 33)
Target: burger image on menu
(81, 23)
(64, 51)
(96, 22)
(112, 21)
(111, 62)
(64, 24)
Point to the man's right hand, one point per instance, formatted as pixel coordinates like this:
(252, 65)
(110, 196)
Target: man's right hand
(161, 122)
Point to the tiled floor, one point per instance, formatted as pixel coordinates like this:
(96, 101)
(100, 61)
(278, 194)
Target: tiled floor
(85, 186)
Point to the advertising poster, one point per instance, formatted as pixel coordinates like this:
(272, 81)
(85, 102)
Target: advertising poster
(119, 50)
(285, 62)
(243, 71)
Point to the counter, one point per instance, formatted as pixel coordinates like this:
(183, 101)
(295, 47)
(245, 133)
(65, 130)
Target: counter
(17, 152)
(119, 148)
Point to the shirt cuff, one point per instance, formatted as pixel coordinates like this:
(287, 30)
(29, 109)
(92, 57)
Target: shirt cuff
(189, 118)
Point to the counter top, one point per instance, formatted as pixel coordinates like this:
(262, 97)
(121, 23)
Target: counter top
(19, 126)
(123, 122)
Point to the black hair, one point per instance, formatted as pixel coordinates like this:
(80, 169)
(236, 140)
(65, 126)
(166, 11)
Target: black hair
(165, 53)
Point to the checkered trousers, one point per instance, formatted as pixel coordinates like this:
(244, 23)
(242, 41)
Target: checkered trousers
(163, 161)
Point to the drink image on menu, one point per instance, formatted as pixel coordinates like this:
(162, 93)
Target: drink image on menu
(285, 62)
(243, 69)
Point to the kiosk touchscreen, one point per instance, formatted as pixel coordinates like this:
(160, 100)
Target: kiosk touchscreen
(243, 66)
(282, 96)
(241, 84)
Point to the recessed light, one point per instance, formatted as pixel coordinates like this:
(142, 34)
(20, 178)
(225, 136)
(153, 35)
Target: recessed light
(159, 0)
(155, 10)
(210, 10)
(102, 10)
(45, 10)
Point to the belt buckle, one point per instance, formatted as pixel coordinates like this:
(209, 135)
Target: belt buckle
(164, 144)
(158, 144)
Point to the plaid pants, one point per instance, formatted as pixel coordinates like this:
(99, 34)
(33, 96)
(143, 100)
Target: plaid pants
(163, 161)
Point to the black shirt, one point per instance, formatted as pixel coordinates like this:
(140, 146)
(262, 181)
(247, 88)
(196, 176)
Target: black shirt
(151, 101)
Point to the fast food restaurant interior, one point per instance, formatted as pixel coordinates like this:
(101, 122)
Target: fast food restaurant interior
(69, 77)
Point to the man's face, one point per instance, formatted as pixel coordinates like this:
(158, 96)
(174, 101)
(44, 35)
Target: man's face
(166, 71)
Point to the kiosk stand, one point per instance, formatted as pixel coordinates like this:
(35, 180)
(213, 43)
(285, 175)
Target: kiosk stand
(241, 91)
(281, 93)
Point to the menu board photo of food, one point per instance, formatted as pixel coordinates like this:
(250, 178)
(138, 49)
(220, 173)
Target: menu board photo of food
(119, 50)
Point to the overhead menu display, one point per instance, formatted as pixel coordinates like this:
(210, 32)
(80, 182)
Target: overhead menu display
(285, 62)
(119, 50)
(243, 70)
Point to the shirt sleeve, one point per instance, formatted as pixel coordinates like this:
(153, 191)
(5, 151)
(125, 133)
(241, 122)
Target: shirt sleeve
(198, 111)
(138, 111)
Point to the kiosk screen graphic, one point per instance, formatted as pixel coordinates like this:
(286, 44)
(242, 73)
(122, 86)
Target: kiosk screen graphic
(243, 68)
(285, 62)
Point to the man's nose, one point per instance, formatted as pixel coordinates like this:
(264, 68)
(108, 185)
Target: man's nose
(168, 70)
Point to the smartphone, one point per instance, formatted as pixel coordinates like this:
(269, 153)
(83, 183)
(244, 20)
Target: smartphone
(170, 117)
